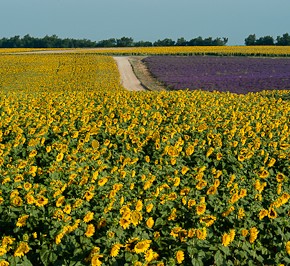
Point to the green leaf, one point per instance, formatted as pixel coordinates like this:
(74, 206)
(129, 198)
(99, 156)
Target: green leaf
(26, 262)
(44, 256)
(225, 250)
(159, 221)
(47, 256)
(218, 258)
(201, 254)
(128, 256)
(251, 263)
(260, 258)
(196, 262)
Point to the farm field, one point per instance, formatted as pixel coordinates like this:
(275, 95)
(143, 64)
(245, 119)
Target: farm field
(91, 174)
(233, 74)
(283, 51)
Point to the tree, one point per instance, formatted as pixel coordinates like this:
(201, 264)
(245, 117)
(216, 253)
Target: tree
(164, 42)
(250, 40)
(196, 41)
(181, 42)
(266, 40)
(125, 42)
(143, 44)
(284, 40)
(107, 43)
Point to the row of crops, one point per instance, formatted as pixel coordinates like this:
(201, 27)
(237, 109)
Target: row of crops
(91, 174)
(233, 74)
(175, 50)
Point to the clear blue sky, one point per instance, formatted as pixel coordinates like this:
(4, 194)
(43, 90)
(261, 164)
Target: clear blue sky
(145, 19)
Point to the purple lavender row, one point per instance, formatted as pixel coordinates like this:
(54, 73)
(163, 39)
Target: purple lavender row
(233, 74)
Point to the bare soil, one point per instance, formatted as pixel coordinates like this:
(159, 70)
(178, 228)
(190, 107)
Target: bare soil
(128, 78)
(143, 74)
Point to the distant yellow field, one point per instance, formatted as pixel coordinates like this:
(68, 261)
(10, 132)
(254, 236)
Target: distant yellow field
(177, 50)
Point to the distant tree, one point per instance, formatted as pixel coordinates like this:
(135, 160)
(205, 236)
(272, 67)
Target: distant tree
(208, 41)
(164, 42)
(220, 42)
(125, 42)
(55, 42)
(250, 40)
(266, 40)
(143, 44)
(284, 40)
(107, 43)
(181, 42)
(196, 41)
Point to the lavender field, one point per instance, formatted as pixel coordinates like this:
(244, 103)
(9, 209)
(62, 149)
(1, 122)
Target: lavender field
(233, 74)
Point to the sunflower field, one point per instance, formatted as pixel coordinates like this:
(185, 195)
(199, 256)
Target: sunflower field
(260, 50)
(91, 174)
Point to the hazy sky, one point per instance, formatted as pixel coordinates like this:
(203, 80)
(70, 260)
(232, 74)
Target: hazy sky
(145, 19)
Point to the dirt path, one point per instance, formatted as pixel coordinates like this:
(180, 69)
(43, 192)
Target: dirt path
(128, 78)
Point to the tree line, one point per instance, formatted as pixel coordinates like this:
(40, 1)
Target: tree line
(54, 41)
(268, 40)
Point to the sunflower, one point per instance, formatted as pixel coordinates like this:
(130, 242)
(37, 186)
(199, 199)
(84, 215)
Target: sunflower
(280, 177)
(212, 190)
(17, 201)
(90, 230)
(7, 240)
(125, 223)
(59, 157)
(234, 198)
(142, 246)
(22, 249)
(60, 201)
(179, 256)
(22, 220)
(150, 222)
(189, 150)
(139, 206)
(201, 233)
(210, 151)
(272, 162)
(67, 209)
(191, 203)
(150, 255)
(232, 234)
(253, 234)
(102, 181)
(115, 250)
(219, 156)
(244, 232)
(88, 217)
(226, 239)
(95, 144)
(3, 251)
(272, 214)
(173, 215)
(201, 184)
(288, 247)
(30, 199)
(264, 173)
(41, 201)
(262, 214)
(135, 217)
(4, 262)
(89, 195)
(200, 209)
(241, 213)
(208, 220)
